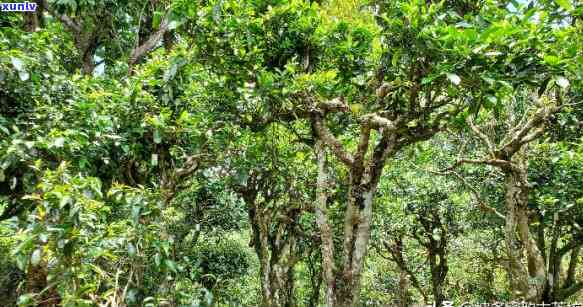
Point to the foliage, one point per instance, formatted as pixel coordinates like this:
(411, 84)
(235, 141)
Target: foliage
(291, 153)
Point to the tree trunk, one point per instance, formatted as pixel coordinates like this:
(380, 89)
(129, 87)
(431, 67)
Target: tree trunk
(343, 283)
(276, 268)
(342, 288)
(571, 271)
(327, 246)
(526, 281)
(356, 236)
(403, 296)
(316, 280)
(555, 290)
(34, 20)
(365, 169)
(438, 273)
(87, 44)
(36, 282)
(437, 251)
(275, 245)
(88, 63)
(397, 255)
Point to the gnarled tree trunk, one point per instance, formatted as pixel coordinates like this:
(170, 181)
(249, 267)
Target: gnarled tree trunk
(276, 261)
(365, 167)
(526, 280)
(343, 282)
(275, 242)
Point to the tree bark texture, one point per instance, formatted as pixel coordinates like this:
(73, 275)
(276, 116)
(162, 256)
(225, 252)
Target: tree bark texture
(526, 264)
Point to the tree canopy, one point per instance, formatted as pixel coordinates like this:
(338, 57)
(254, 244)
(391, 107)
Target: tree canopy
(291, 153)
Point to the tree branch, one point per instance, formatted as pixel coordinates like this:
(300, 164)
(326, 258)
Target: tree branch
(151, 42)
(493, 162)
(66, 20)
(482, 136)
(375, 121)
(522, 136)
(361, 149)
(335, 105)
(328, 138)
(481, 203)
(327, 244)
(566, 293)
(572, 270)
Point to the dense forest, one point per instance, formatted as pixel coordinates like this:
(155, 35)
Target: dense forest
(291, 153)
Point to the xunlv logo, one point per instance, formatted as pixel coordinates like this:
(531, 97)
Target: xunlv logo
(18, 7)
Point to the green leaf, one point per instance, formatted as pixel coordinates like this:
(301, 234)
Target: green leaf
(173, 25)
(356, 108)
(156, 20)
(171, 265)
(428, 79)
(136, 213)
(64, 201)
(455, 79)
(491, 99)
(26, 299)
(396, 57)
(170, 73)
(565, 4)
(157, 259)
(551, 59)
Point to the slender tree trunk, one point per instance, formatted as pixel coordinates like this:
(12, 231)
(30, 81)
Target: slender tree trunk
(571, 271)
(554, 264)
(87, 44)
(316, 280)
(570, 286)
(403, 296)
(327, 246)
(276, 273)
(437, 251)
(438, 274)
(88, 63)
(397, 252)
(557, 290)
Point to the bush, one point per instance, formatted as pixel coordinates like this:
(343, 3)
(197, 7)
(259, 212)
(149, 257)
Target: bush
(221, 261)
